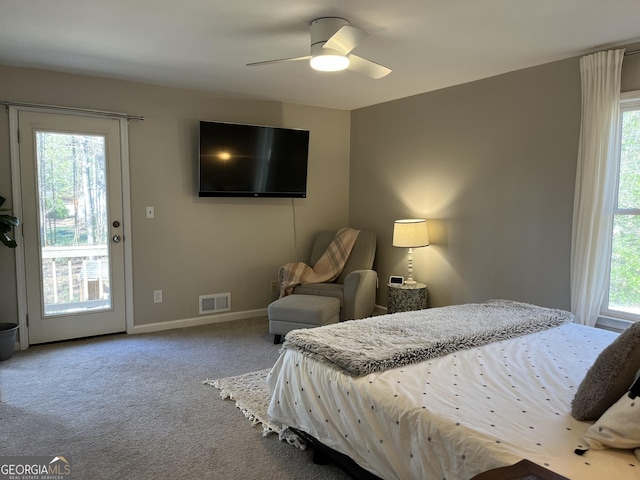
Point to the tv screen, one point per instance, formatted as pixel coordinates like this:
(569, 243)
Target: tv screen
(252, 161)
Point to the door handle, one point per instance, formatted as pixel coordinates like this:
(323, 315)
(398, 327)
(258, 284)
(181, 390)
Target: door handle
(116, 239)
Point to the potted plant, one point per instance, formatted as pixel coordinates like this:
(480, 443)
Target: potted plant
(7, 222)
(7, 330)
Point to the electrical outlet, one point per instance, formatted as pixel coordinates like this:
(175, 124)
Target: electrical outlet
(274, 286)
(157, 296)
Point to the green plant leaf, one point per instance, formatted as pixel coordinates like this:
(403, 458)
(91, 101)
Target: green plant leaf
(7, 240)
(9, 220)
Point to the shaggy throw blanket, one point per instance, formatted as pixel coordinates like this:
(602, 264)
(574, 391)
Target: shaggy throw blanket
(326, 269)
(359, 347)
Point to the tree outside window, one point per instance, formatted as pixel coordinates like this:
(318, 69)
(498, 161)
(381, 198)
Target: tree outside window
(624, 279)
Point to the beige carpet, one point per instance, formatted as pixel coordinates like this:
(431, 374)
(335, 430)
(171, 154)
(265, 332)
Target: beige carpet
(133, 407)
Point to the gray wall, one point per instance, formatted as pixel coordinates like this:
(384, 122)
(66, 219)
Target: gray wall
(630, 80)
(491, 166)
(194, 246)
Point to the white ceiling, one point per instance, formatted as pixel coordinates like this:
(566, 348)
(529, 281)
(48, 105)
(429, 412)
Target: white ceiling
(204, 45)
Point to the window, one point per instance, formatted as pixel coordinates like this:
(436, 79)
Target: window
(624, 275)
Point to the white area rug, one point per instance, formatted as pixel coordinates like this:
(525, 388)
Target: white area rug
(252, 397)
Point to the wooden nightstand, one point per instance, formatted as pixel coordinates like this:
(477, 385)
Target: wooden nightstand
(523, 470)
(407, 297)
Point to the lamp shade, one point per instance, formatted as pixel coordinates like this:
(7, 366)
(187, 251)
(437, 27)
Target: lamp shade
(410, 233)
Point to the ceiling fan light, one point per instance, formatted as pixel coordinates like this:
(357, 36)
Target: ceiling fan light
(329, 62)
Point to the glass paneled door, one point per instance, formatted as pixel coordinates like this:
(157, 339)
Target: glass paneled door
(72, 225)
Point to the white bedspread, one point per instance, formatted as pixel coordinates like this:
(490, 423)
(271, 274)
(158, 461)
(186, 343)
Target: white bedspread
(455, 416)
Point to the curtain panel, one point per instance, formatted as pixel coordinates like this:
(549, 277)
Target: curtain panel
(595, 182)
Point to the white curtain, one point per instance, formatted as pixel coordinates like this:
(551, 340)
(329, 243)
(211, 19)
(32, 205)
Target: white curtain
(595, 183)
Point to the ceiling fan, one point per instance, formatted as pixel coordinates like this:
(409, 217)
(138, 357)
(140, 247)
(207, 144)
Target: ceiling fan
(332, 40)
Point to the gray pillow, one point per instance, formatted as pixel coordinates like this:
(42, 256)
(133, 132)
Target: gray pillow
(609, 377)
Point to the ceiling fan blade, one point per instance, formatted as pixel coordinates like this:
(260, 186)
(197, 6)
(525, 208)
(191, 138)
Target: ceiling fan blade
(346, 39)
(367, 67)
(280, 60)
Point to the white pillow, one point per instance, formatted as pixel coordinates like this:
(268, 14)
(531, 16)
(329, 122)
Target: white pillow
(618, 427)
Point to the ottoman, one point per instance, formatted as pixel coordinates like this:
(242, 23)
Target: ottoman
(301, 311)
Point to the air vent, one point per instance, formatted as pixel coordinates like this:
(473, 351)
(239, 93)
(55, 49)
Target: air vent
(215, 303)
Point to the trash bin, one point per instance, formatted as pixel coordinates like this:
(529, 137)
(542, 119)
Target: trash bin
(7, 339)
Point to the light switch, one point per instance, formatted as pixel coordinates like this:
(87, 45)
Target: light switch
(150, 212)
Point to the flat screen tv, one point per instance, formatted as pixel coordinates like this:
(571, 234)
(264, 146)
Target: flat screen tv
(252, 161)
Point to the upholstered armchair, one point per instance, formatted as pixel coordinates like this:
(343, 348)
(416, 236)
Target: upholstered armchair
(356, 286)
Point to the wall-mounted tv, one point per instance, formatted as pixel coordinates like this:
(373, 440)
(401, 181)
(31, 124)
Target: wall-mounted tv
(252, 161)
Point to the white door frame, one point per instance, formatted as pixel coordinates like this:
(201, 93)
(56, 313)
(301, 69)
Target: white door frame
(16, 188)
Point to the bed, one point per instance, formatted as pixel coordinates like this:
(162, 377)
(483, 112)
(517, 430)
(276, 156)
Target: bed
(481, 393)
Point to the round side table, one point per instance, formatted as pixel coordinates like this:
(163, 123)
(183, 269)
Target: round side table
(407, 297)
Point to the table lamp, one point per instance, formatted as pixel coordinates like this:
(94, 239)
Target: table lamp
(410, 233)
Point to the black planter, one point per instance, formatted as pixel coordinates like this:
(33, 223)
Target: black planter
(7, 339)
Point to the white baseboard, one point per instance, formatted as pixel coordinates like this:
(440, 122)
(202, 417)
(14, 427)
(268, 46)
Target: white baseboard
(197, 321)
(210, 319)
